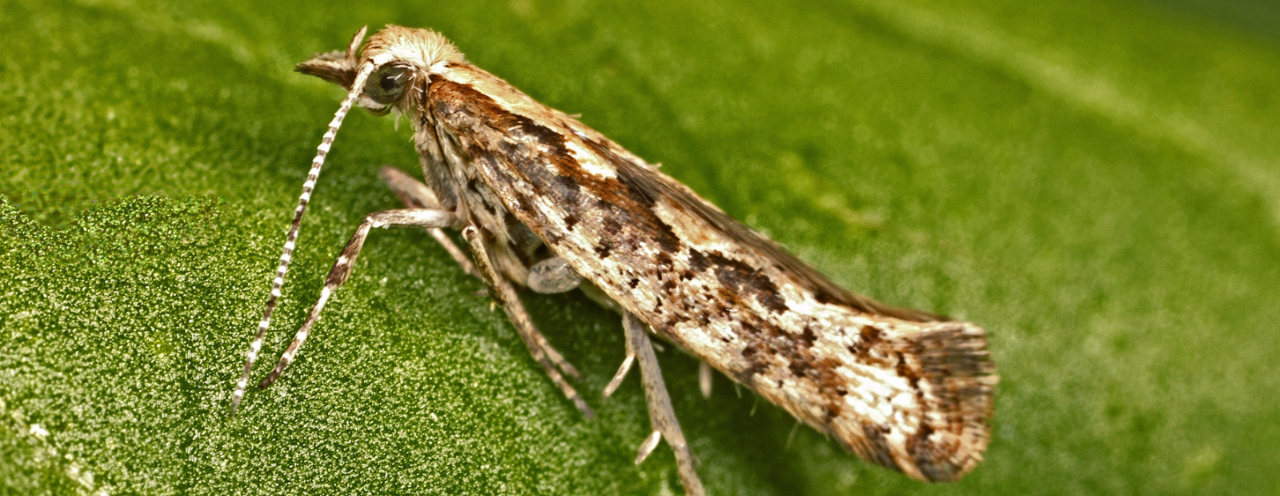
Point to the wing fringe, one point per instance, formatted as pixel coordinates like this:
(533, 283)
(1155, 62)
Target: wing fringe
(959, 376)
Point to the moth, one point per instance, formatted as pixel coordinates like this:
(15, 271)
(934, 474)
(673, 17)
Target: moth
(546, 203)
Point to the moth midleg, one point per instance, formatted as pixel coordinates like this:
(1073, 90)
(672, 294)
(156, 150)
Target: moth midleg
(505, 293)
(508, 264)
(414, 194)
(661, 415)
(341, 270)
(553, 275)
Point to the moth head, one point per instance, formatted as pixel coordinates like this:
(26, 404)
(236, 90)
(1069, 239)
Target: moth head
(392, 72)
(395, 61)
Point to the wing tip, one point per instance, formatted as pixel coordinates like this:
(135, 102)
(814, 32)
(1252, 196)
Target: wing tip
(959, 376)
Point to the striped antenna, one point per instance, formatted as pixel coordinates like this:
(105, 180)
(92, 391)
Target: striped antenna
(316, 164)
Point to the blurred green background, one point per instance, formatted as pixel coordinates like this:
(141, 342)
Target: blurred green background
(1095, 182)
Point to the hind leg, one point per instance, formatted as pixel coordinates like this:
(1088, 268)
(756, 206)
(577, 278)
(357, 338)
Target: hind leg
(661, 415)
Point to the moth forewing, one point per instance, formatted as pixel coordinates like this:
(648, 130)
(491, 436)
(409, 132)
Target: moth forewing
(906, 389)
(844, 364)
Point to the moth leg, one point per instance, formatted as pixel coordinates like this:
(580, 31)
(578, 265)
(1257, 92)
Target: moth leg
(595, 294)
(553, 275)
(341, 271)
(704, 379)
(621, 374)
(704, 376)
(506, 295)
(414, 194)
(661, 416)
(507, 264)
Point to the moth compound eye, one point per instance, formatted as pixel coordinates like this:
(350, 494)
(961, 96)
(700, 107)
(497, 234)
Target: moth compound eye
(386, 85)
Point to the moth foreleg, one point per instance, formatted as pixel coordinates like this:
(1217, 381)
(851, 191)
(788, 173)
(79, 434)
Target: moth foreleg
(342, 270)
(506, 295)
(661, 415)
(414, 194)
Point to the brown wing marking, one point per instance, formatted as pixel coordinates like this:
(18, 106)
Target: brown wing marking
(653, 185)
(531, 164)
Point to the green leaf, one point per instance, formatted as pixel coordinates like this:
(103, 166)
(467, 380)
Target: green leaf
(1094, 182)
